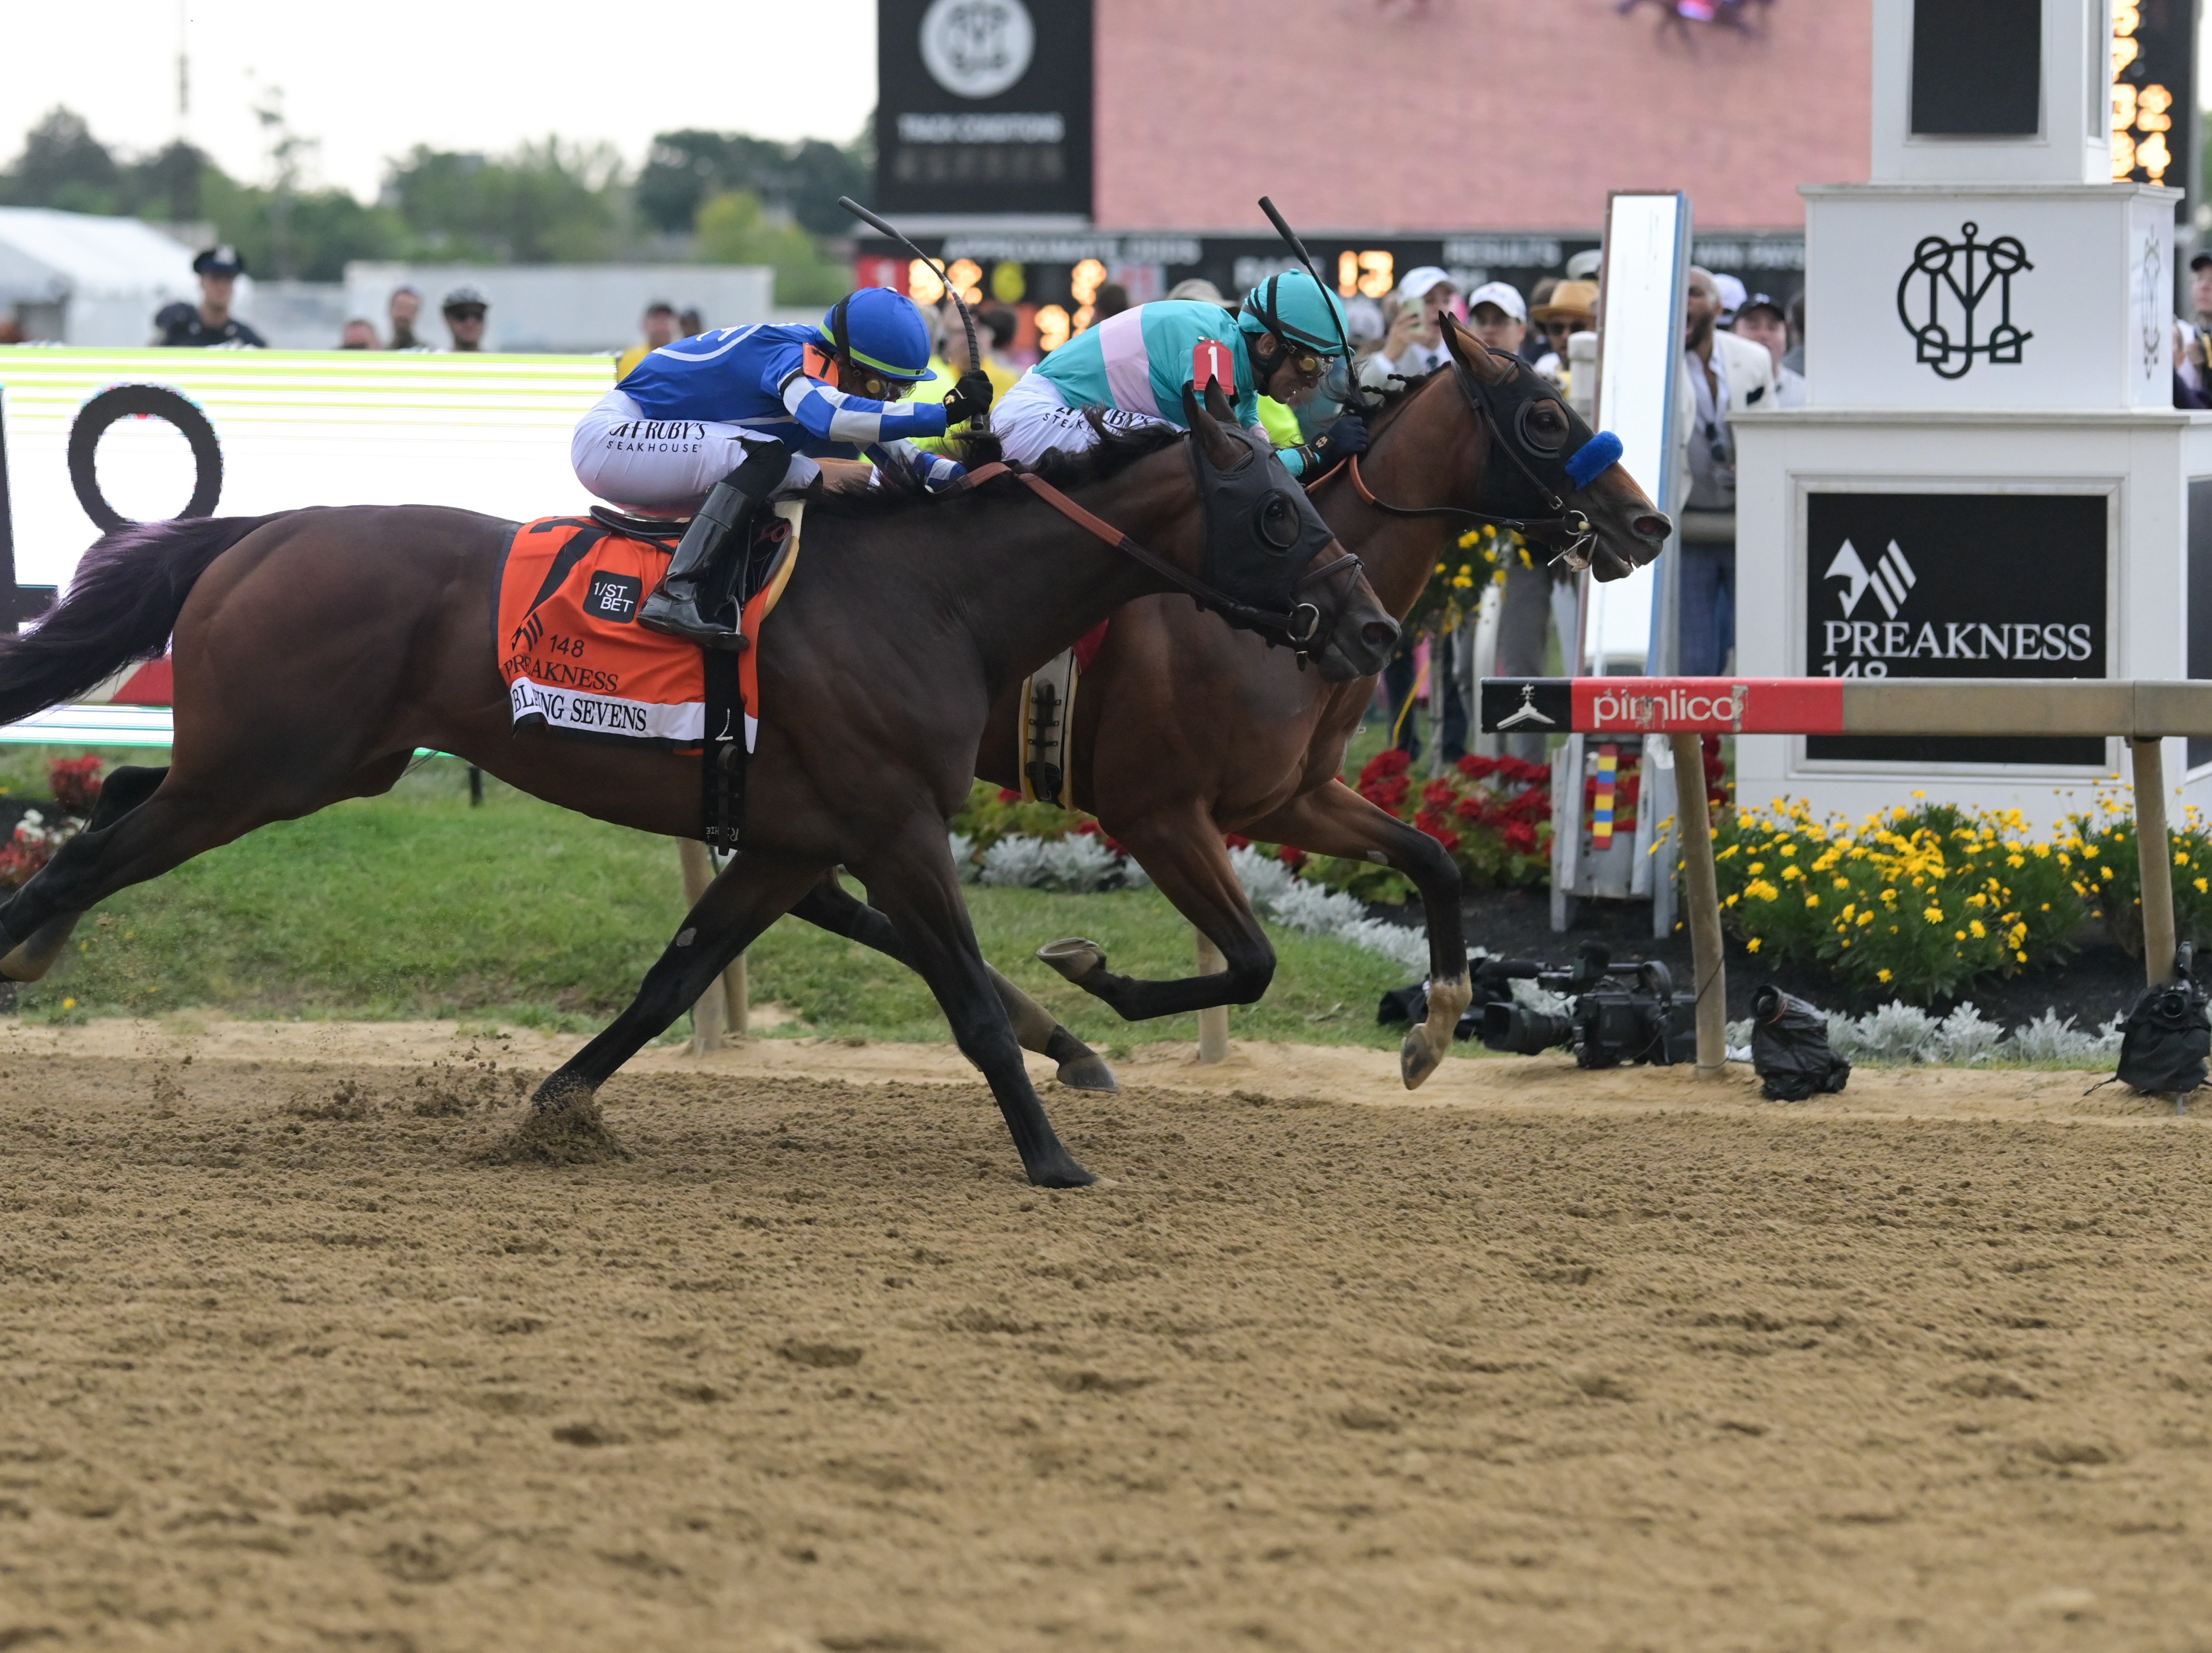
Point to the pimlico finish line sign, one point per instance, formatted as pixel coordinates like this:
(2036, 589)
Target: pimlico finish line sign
(1627, 707)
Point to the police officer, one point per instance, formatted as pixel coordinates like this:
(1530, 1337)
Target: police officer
(211, 323)
(464, 309)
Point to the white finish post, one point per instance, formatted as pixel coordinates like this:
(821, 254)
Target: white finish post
(1213, 1024)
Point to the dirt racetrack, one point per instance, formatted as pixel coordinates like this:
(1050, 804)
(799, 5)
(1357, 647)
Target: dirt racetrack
(288, 1361)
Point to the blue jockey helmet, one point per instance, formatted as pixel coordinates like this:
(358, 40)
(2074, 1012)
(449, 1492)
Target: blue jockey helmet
(880, 329)
(1297, 309)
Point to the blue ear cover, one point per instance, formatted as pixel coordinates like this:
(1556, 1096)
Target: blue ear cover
(1594, 459)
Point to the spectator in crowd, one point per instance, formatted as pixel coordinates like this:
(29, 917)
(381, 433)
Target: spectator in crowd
(1570, 308)
(360, 334)
(660, 328)
(995, 327)
(1733, 293)
(1586, 266)
(209, 323)
(1724, 374)
(464, 309)
(1794, 357)
(691, 323)
(1499, 317)
(2189, 384)
(1414, 343)
(1762, 320)
(1197, 289)
(1537, 346)
(2200, 290)
(1110, 300)
(1362, 320)
(403, 310)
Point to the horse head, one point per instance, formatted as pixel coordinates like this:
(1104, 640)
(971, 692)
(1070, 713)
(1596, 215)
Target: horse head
(1269, 551)
(1548, 468)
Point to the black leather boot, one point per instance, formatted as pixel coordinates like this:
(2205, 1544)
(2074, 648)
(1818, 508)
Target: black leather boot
(717, 531)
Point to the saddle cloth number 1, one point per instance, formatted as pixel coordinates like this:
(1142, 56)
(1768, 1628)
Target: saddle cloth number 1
(1211, 362)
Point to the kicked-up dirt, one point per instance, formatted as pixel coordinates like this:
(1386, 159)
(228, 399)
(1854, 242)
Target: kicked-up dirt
(291, 1358)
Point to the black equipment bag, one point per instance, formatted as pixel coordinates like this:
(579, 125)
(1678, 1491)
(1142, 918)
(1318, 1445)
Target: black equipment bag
(2167, 1035)
(1789, 1048)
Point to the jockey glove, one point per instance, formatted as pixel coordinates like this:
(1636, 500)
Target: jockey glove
(970, 397)
(1342, 439)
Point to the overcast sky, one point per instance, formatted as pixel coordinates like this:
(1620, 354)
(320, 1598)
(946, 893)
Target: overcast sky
(372, 80)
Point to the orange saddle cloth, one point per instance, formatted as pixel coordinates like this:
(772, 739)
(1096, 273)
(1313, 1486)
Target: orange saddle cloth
(576, 661)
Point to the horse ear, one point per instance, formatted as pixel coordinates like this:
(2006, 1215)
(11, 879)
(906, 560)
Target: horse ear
(1217, 405)
(1472, 353)
(1222, 450)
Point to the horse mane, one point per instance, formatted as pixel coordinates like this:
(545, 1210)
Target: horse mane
(1394, 397)
(900, 486)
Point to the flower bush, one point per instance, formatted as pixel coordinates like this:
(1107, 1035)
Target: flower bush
(1916, 902)
(1492, 814)
(74, 783)
(2099, 853)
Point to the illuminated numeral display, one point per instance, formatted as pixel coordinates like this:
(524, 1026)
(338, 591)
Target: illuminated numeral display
(1371, 274)
(2149, 82)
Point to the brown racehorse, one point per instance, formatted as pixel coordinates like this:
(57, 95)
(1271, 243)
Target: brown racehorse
(1186, 730)
(316, 651)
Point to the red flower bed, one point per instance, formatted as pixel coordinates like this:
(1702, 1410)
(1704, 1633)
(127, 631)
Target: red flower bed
(1492, 814)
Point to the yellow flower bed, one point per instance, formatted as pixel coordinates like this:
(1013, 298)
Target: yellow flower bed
(1914, 903)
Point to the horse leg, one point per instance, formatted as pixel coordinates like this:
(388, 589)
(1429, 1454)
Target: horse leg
(748, 895)
(157, 822)
(914, 883)
(830, 906)
(1186, 859)
(1334, 820)
(121, 792)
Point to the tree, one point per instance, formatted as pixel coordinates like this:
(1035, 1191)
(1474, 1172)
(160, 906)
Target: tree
(62, 165)
(802, 180)
(733, 227)
(544, 204)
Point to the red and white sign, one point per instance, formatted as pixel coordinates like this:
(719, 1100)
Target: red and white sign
(1710, 705)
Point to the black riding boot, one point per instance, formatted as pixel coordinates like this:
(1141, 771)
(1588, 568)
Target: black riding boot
(718, 530)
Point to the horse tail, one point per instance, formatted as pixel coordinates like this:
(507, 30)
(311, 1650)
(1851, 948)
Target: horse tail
(122, 605)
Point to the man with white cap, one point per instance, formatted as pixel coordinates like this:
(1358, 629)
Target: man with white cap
(1415, 343)
(1498, 315)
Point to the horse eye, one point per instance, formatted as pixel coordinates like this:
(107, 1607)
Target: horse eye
(1279, 524)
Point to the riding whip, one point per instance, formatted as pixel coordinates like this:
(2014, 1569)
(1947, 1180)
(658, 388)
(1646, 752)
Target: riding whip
(1355, 395)
(981, 423)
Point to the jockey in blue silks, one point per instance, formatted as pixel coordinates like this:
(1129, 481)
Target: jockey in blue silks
(717, 424)
(1130, 370)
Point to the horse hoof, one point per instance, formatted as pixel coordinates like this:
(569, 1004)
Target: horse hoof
(1089, 1072)
(1061, 1172)
(563, 1126)
(1416, 1060)
(1074, 958)
(29, 960)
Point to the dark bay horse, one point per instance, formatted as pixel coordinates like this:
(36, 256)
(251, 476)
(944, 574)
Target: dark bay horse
(1186, 730)
(317, 650)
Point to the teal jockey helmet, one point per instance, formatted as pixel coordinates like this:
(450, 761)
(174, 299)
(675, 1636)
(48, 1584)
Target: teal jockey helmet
(1298, 310)
(880, 329)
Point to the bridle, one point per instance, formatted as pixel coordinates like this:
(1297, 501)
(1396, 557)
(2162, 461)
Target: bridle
(1300, 626)
(1508, 420)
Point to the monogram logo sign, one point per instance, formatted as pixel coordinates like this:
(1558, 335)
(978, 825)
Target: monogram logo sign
(2151, 282)
(1946, 296)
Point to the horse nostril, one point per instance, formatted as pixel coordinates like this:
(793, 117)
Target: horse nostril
(1379, 635)
(1652, 525)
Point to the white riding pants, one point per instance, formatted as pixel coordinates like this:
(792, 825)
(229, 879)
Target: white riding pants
(1033, 418)
(662, 465)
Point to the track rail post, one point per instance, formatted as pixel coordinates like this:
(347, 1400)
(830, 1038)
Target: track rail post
(1213, 1023)
(1694, 831)
(2155, 857)
(723, 1004)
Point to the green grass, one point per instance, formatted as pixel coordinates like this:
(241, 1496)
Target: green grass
(414, 904)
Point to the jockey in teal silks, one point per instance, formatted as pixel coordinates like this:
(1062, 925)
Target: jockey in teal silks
(1130, 369)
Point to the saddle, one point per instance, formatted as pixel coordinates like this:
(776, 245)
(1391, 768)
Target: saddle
(576, 663)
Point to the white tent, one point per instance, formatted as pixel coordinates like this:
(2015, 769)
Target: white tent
(78, 278)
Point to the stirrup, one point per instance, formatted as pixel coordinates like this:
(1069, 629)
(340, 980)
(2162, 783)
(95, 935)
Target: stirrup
(679, 616)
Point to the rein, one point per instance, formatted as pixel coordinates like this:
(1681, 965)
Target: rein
(1301, 625)
(1573, 523)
